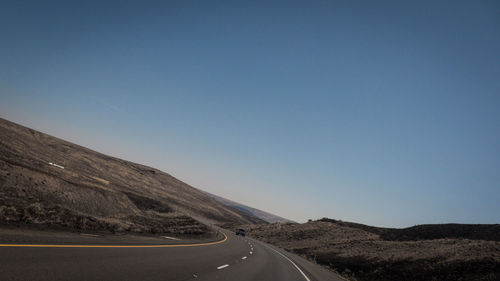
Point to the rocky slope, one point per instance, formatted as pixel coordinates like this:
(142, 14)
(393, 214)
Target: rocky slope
(49, 182)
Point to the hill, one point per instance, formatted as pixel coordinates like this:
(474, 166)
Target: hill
(488, 232)
(49, 182)
(268, 217)
(361, 252)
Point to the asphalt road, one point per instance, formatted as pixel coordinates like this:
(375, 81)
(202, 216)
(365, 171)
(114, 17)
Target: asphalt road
(237, 258)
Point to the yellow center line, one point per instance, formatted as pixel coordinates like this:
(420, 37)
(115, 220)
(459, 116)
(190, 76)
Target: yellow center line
(116, 246)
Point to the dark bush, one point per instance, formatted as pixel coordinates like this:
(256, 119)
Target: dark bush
(363, 268)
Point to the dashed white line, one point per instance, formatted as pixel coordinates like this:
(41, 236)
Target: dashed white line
(222, 266)
(251, 253)
(244, 258)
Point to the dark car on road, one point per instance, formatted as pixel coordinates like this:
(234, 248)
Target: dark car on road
(241, 232)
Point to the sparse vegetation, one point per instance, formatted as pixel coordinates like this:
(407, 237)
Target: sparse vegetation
(96, 192)
(361, 252)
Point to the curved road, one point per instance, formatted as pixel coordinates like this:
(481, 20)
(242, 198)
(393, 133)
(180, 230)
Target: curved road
(234, 258)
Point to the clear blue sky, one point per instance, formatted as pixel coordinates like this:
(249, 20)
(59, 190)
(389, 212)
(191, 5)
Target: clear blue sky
(384, 113)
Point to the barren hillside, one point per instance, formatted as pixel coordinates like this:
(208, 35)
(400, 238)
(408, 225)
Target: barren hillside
(268, 217)
(448, 251)
(49, 182)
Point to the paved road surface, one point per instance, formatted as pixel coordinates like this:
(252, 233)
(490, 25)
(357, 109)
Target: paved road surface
(237, 258)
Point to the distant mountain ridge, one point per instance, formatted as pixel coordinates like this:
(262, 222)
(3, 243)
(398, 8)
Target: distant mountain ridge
(268, 217)
(487, 232)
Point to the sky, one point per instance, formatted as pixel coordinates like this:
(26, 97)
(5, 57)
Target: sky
(379, 112)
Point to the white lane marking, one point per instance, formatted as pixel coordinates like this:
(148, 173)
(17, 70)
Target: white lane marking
(172, 238)
(244, 258)
(222, 266)
(251, 253)
(301, 272)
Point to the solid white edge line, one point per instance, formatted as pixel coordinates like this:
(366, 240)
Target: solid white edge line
(244, 257)
(222, 266)
(301, 272)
